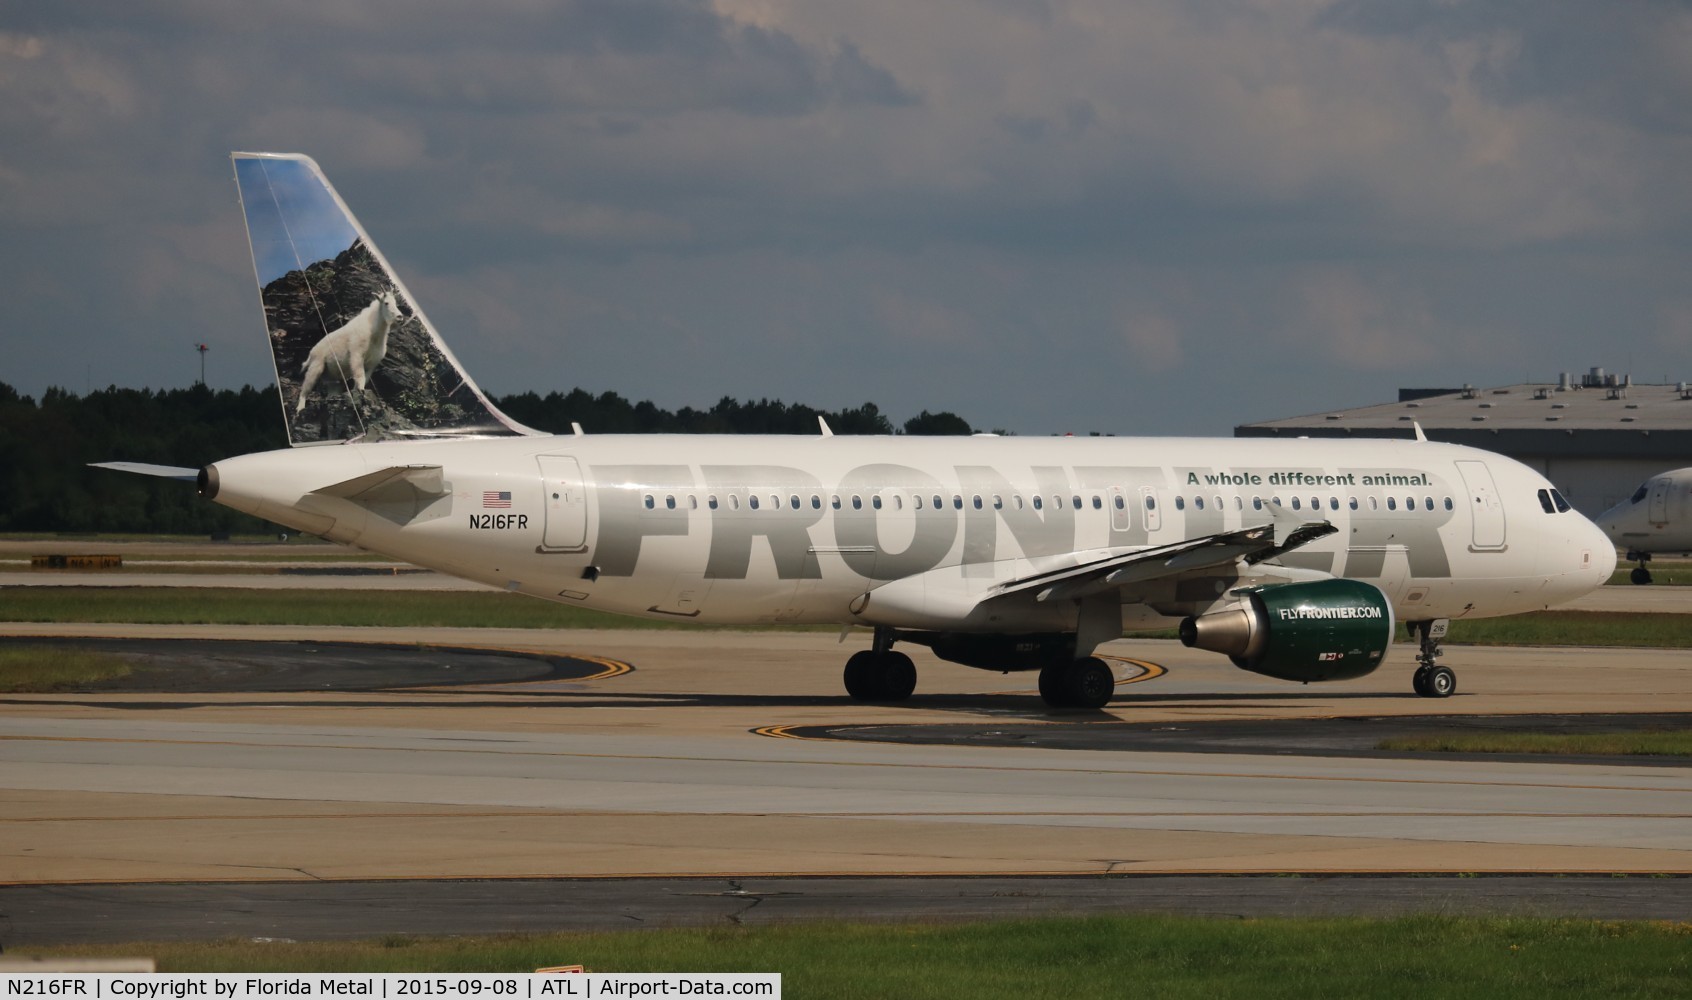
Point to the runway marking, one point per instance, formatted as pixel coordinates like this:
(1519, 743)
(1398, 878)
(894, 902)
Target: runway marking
(613, 668)
(1149, 671)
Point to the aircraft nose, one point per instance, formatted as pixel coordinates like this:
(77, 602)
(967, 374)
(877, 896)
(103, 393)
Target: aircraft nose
(1603, 555)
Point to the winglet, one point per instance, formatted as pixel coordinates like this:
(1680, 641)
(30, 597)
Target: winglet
(1419, 435)
(824, 425)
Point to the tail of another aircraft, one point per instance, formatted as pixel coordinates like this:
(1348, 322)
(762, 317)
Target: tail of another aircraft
(355, 357)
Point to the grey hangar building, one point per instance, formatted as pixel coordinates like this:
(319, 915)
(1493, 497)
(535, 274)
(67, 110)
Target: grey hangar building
(1596, 436)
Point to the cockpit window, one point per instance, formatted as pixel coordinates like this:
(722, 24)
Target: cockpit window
(1639, 494)
(1545, 502)
(1563, 506)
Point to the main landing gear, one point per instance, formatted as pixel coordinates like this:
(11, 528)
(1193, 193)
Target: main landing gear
(1084, 683)
(1640, 575)
(880, 673)
(1431, 679)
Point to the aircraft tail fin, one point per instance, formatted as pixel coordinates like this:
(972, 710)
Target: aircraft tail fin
(355, 357)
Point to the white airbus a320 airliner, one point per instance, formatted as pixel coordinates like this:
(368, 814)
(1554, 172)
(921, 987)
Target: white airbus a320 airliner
(1294, 558)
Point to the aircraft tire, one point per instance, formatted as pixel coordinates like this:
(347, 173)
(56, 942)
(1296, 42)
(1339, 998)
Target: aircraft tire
(898, 677)
(872, 676)
(1090, 683)
(1054, 687)
(1640, 576)
(863, 676)
(1441, 682)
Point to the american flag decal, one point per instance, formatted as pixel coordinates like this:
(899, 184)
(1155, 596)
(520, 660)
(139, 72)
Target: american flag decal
(496, 498)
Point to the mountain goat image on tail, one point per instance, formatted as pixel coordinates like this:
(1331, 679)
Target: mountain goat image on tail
(355, 348)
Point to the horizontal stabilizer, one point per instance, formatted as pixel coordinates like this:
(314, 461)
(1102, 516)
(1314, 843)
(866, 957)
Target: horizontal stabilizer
(403, 494)
(144, 469)
(389, 483)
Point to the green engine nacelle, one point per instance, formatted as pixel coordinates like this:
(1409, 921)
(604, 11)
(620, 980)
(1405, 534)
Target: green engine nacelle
(1329, 630)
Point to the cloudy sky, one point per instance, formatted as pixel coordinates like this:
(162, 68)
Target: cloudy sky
(1169, 216)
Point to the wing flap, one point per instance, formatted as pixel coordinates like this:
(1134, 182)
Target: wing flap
(1254, 544)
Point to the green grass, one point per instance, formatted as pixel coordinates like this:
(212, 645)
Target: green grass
(1576, 628)
(1165, 957)
(49, 668)
(1648, 743)
(217, 606)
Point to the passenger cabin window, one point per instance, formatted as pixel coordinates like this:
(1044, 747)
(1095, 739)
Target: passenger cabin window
(1038, 504)
(1333, 503)
(752, 501)
(816, 502)
(998, 502)
(1392, 503)
(875, 501)
(957, 501)
(1295, 503)
(711, 501)
(1198, 503)
(1428, 503)
(1117, 500)
(1151, 502)
(670, 502)
(857, 502)
(975, 501)
(1180, 503)
(937, 502)
(1374, 503)
(834, 501)
(1256, 503)
(650, 503)
(1098, 502)
(1353, 502)
(734, 501)
(1076, 500)
(1448, 504)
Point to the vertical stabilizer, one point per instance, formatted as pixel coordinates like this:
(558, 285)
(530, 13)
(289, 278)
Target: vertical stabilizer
(355, 357)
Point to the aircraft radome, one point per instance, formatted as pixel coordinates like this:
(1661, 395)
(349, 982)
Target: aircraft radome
(1293, 558)
(1655, 520)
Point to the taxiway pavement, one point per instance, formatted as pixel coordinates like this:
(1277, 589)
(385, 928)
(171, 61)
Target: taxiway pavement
(687, 766)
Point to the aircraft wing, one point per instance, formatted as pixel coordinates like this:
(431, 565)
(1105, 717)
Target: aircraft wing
(1253, 544)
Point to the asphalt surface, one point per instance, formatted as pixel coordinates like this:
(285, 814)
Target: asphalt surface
(87, 914)
(1330, 737)
(323, 814)
(223, 665)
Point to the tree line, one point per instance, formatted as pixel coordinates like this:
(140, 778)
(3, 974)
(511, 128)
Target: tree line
(47, 445)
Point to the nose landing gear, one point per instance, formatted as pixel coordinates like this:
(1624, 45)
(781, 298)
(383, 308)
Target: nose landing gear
(1431, 680)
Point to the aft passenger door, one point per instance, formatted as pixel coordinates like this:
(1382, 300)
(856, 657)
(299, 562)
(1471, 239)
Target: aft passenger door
(564, 504)
(1485, 506)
